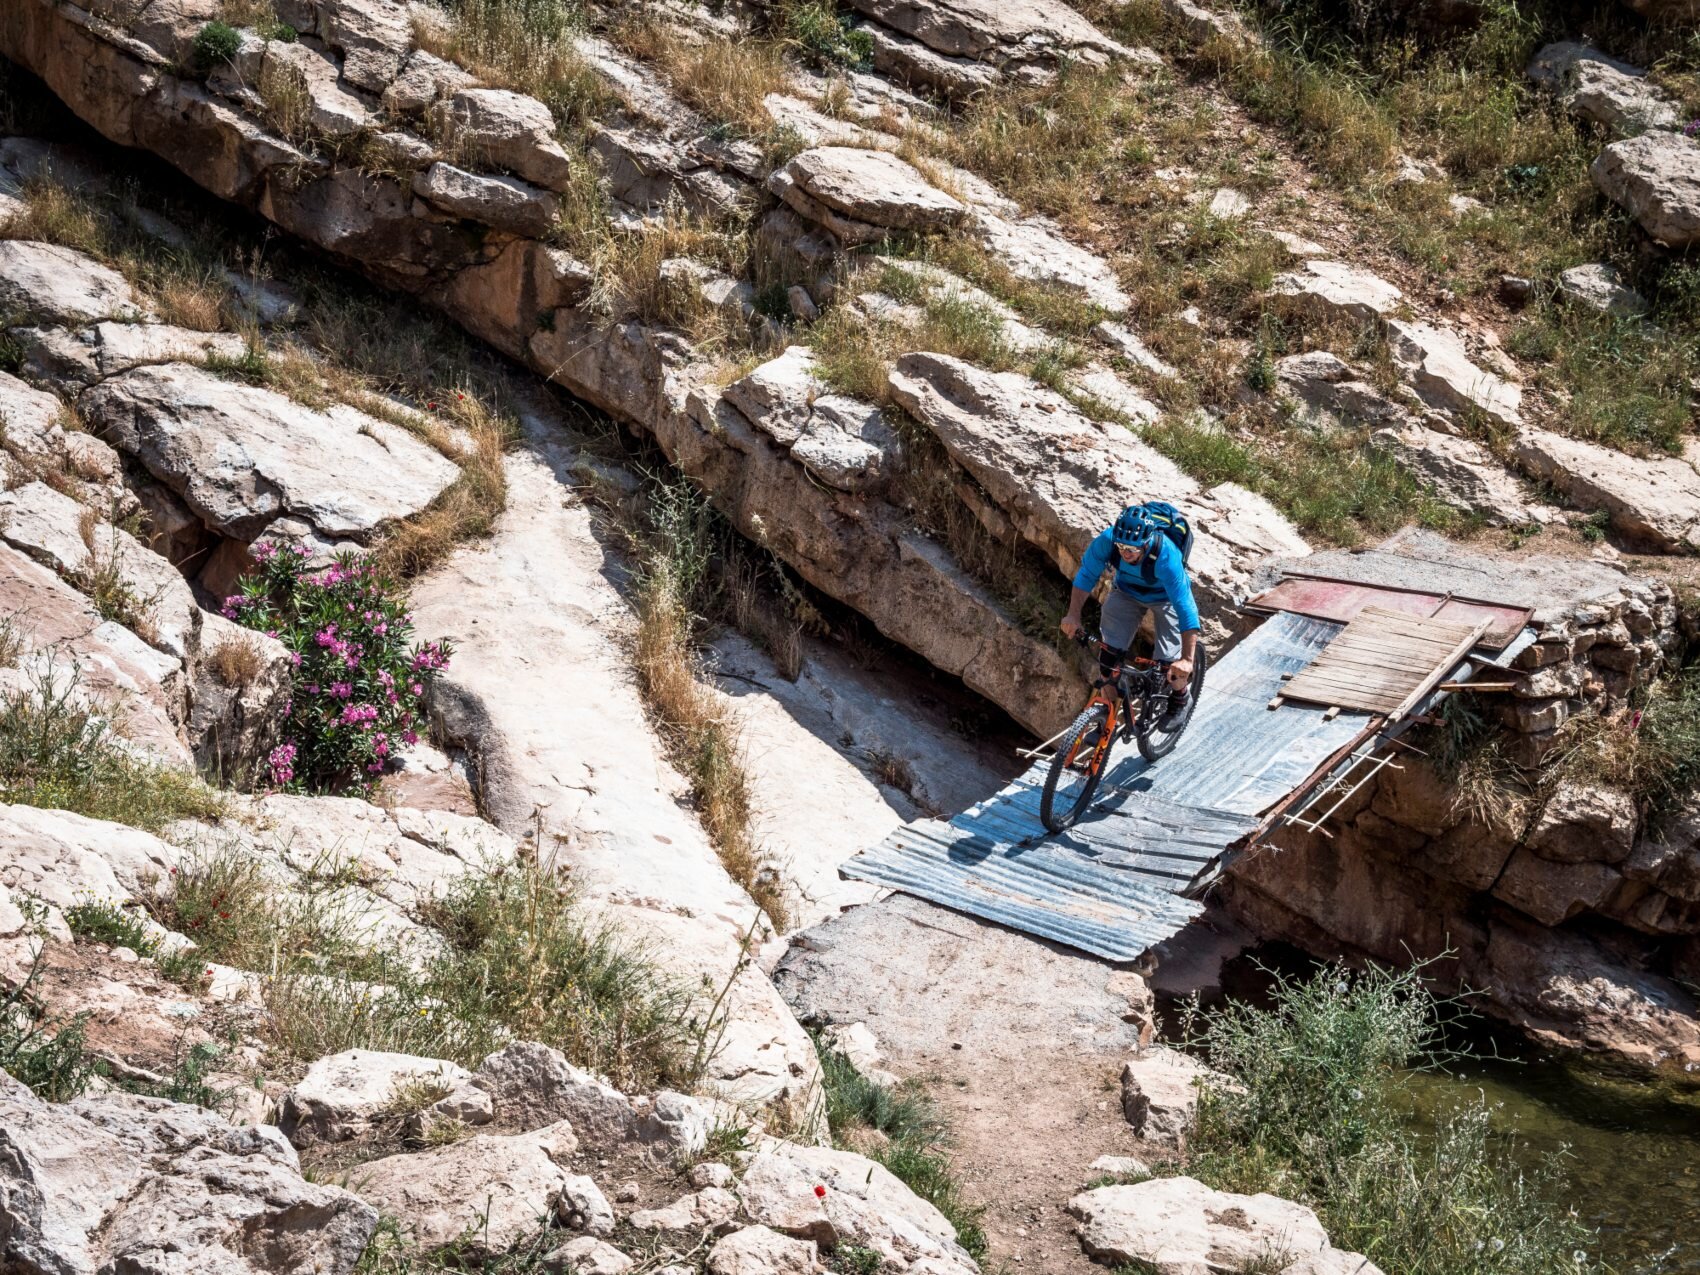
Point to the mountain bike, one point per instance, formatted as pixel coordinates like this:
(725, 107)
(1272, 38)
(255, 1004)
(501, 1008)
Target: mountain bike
(1128, 701)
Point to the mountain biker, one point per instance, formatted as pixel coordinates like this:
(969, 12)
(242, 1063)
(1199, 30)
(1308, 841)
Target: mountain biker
(1151, 575)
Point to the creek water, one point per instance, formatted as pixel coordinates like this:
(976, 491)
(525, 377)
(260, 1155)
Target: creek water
(1627, 1147)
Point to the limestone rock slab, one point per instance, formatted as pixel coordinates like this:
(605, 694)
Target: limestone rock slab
(1330, 288)
(1439, 368)
(1654, 501)
(1601, 287)
(508, 130)
(1179, 1226)
(342, 1094)
(1160, 1093)
(115, 672)
(1602, 89)
(1656, 179)
(873, 186)
(504, 203)
(490, 1189)
(996, 30)
(119, 1182)
(243, 457)
(61, 285)
(1463, 474)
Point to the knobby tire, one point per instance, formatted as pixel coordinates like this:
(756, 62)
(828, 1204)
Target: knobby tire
(1154, 743)
(1083, 736)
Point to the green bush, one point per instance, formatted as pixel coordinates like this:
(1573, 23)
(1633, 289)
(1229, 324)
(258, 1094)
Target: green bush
(823, 36)
(1317, 1116)
(107, 922)
(359, 685)
(215, 44)
(518, 959)
(50, 1057)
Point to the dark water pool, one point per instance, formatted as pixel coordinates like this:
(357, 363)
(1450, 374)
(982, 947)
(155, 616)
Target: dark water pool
(1629, 1150)
(1628, 1147)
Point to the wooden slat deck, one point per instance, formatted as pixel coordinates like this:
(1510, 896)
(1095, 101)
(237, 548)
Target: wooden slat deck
(1383, 661)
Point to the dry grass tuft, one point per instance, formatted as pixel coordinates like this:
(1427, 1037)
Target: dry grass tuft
(697, 722)
(52, 213)
(525, 45)
(470, 505)
(236, 661)
(725, 80)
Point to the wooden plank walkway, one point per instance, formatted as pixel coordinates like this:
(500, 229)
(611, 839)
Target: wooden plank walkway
(1383, 662)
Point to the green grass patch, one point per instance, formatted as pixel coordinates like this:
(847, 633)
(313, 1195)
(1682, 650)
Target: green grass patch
(910, 1139)
(57, 752)
(1319, 1117)
(519, 958)
(1332, 483)
(102, 921)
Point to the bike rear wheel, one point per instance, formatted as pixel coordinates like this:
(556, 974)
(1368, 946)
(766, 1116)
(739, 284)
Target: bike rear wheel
(1081, 757)
(1154, 743)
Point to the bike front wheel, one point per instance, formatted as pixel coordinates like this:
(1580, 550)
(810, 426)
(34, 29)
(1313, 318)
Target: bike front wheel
(1154, 743)
(1079, 763)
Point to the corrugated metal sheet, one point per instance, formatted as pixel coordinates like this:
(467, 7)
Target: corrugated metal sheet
(1111, 885)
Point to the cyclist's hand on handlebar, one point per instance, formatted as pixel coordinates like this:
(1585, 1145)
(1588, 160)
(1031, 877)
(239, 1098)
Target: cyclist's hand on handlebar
(1180, 673)
(1071, 626)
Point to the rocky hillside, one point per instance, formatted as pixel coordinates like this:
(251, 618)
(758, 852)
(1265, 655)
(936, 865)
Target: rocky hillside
(466, 524)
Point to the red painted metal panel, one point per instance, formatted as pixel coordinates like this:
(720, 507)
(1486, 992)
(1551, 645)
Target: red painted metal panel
(1341, 600)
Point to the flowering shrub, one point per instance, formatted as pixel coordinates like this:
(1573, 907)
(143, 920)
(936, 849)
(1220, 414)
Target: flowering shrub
(359, 683)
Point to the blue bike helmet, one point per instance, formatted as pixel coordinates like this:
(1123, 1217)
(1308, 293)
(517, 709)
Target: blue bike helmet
(1134, 528)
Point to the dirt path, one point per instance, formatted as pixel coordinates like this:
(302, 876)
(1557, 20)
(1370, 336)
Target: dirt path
(1020, 1041)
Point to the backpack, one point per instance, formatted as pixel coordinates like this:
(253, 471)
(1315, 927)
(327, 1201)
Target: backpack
(1176, 526)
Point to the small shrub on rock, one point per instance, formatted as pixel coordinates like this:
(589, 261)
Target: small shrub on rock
(360, 683)
(215, 44)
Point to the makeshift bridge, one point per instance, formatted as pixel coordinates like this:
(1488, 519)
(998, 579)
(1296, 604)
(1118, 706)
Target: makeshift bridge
(1293, 719)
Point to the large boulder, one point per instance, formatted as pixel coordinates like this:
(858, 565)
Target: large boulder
(859, 194)
(1602, 89)
(1179, 1226)
(486, 1190)
(243, 457)
(1656, 179)
(48, 283)
(150, 1187)
(1652, 501)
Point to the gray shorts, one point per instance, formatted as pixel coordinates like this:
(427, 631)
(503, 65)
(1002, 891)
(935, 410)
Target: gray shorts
(1121, 620)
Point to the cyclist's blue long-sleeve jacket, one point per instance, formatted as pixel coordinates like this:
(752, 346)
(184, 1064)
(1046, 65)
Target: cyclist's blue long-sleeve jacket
(1172, 584)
